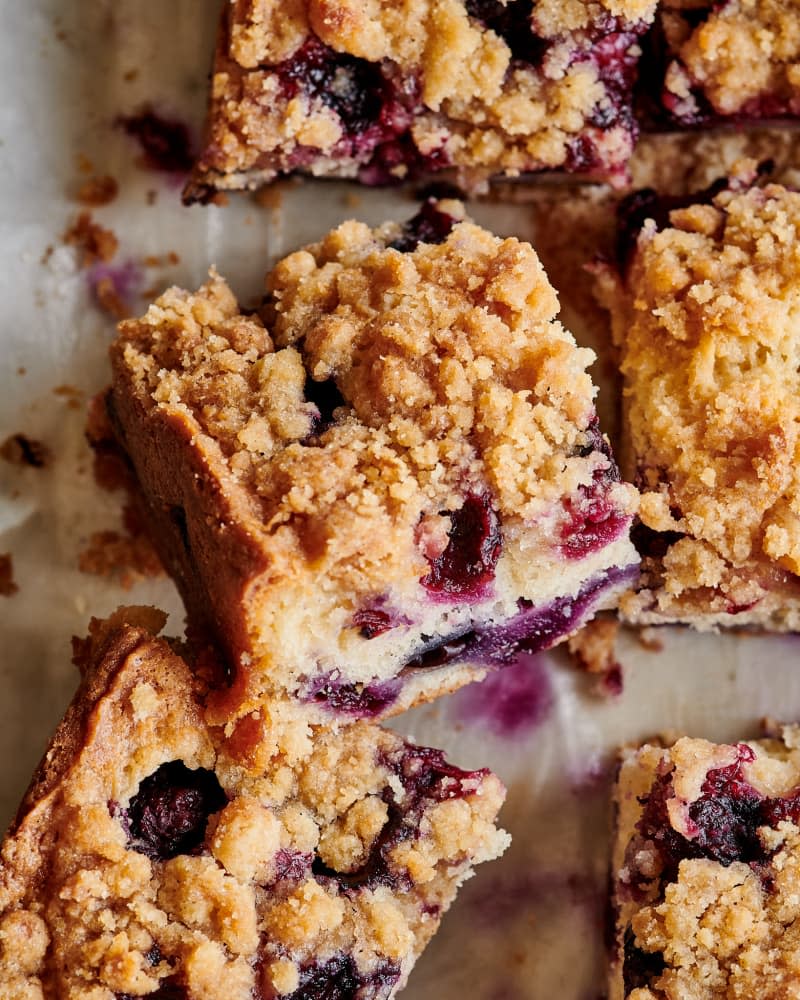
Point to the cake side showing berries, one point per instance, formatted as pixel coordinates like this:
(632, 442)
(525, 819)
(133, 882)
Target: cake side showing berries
(706, 871)
(704, 313)
(733, 61)
(387, 91)
(156, 856)
(396, 488)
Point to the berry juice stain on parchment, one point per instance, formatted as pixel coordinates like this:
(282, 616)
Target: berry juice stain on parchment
(510, 702)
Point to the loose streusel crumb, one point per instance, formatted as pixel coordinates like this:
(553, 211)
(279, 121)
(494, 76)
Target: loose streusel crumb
(737, 59)
(19, 449)
(125, 557)
(704, 317)
(156, 855)
(707, 871)
(401, 449)
(337, 87)
(92, 241)
(97, 190)
(7, 585)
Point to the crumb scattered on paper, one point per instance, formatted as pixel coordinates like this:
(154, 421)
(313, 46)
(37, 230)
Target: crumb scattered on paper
(97, 190)
(650, 639)
(19, 449)
(593, 649)
(7, 585)
(91, 240)
(125, 557)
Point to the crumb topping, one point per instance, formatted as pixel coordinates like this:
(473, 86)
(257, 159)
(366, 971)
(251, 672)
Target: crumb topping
(709, 339)
(247, 910)
(743, 52)
(451, 375)
(717, 930)
(456, 87)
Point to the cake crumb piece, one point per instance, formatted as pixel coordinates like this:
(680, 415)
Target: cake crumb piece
(7, 586)
(593, 650)
(98, 190)
(19, 449)
(92, 241)
(126, 556)
(109, 299)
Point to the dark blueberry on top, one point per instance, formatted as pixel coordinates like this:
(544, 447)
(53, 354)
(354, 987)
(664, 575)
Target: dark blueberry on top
(326, 398)
(340, 979)
(724, 819)
(353, 88)
(639, 968)
(165, 142)
(168, 814)
(512, 22)
(429, 225)
(464, 571)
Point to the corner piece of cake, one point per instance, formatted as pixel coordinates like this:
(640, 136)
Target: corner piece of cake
(704, 312)
(728, 62)
(387, 483)
(156, 856)
(385, 91)
(706, 871)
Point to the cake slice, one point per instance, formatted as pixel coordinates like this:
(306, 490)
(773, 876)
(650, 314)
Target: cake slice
(387, 91)
(706, 871)
(728, 62)
(155, 855)
(389, 482)
(704, 311)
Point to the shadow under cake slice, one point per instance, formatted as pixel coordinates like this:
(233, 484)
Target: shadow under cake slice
(390, 481)
(154, 855)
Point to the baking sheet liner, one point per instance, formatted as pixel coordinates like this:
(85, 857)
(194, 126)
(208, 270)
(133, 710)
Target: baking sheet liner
(530, 926)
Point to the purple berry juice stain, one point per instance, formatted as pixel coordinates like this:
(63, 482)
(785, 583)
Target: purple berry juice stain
(509, 702)
(126, 279)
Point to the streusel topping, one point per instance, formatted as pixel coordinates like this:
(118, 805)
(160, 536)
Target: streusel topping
(453, 374)
(474, 103)
(720, 926)
(310, 848)
(710, 340)
(744, 51)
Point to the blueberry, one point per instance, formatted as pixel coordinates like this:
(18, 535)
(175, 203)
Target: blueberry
(429, 225)
(168, 814)
(466, 567)
(340, 979)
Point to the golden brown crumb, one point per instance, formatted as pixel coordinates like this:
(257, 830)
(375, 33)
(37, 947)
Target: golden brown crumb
(18, 449)
(92, 241)
(124, 556)
(109, 299)
(99, 190)
(7, 586)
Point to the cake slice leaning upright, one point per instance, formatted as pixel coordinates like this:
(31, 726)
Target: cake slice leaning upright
(389, 481)
(155, 855)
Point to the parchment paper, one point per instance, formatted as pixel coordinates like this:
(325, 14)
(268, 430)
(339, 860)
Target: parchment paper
(526, 928)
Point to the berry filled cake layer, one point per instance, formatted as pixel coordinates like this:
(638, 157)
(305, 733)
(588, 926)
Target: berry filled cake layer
(389, 482)
(384, 91)
(706, 871)
(155, 856)
(729, 61)
(705, 312)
